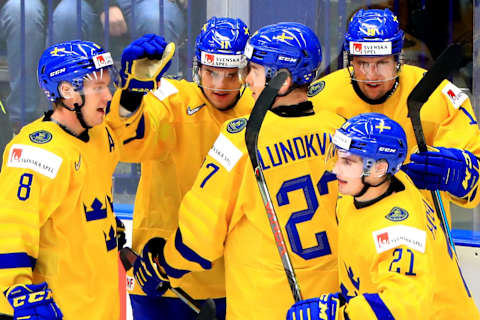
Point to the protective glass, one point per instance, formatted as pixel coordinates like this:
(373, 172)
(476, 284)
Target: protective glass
(216, 78)
(343, 163)
(383, 70)
(96, 84)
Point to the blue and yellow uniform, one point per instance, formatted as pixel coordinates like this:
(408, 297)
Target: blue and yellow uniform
(170, 135)
(223, 215)
(399, 266)
(56, 219)
(447, 113)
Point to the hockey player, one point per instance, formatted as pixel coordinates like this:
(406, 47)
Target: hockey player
(58, 252)
(375, 80)
(172, 128)
(397, 264)
(223, 214)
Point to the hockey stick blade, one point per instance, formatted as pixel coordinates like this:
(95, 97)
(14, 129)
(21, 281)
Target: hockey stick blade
(207, 311)
(254, 124)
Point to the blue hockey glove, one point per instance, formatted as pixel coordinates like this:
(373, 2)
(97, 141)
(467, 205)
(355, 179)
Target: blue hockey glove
(32, 302)
(120, 234)
(148, 272)
(326, 308)
(144, 62)
(447, 169)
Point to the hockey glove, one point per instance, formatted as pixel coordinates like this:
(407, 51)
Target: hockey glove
(447, 169)
(32, 302)
(144, 62)
(326, 307)
(148, 272)
(120, 234)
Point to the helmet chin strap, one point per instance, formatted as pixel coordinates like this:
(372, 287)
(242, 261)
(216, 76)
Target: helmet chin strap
(78, 112)
(367, 186)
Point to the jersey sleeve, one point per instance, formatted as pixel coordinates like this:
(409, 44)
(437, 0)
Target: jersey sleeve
(403, 278)
(33, 181)
(459, 129)
(207, 210)
(148, 132)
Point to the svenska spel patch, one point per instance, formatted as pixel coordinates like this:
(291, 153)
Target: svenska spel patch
(225, 152)
(394, 236)
(39, 160)
(454, 94)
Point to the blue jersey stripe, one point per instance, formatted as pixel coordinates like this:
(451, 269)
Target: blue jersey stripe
(16, 260)
(378, 306)
(188, 253)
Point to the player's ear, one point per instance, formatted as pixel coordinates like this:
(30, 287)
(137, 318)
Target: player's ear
(380, 168)
(66, 90)
(285, 86)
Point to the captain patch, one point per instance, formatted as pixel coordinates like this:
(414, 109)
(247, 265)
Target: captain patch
(40, 137)
(397, 214)
(456, 96)
(394, 236)
(34, 158)
(225, 152)
(315, 88)
(236, 125)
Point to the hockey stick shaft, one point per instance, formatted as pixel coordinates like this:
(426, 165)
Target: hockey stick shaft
(262, 105)
(128, 257)
(446, 63)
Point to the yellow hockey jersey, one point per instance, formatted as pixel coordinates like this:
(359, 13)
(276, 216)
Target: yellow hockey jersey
(56, 219)
(170, 135)
(447, 117)
(223, 215)
(398, 263)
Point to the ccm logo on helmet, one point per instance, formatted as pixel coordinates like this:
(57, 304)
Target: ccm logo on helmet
(388, 150)
(56, 72)
(287, 59)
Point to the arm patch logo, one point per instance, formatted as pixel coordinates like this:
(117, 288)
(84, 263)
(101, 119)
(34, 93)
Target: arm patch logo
(40, 137)
(397, 214)
(315, 88)
(236, 125)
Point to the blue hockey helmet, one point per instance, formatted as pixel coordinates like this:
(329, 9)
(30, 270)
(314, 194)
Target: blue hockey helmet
(374, 137)
(70, 61)
(373, 32)
(221, 42)
(286, 45)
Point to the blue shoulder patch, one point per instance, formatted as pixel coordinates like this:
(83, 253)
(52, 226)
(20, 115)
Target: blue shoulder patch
(40, 137)
(315, 88)
(397, 214)
(236, 125)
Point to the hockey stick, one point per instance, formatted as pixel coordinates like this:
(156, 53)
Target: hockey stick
(207, 311)
(447, 62)
(262, 105)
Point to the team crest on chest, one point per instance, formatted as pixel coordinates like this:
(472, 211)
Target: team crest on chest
(315, 88)
(40, 137)
(397, 214)
(236, 125)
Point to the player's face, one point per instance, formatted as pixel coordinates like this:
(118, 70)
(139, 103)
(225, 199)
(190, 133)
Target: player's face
(375, 75)
(255, 79)
(348, 169)
(220, 85)
(97, 95)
